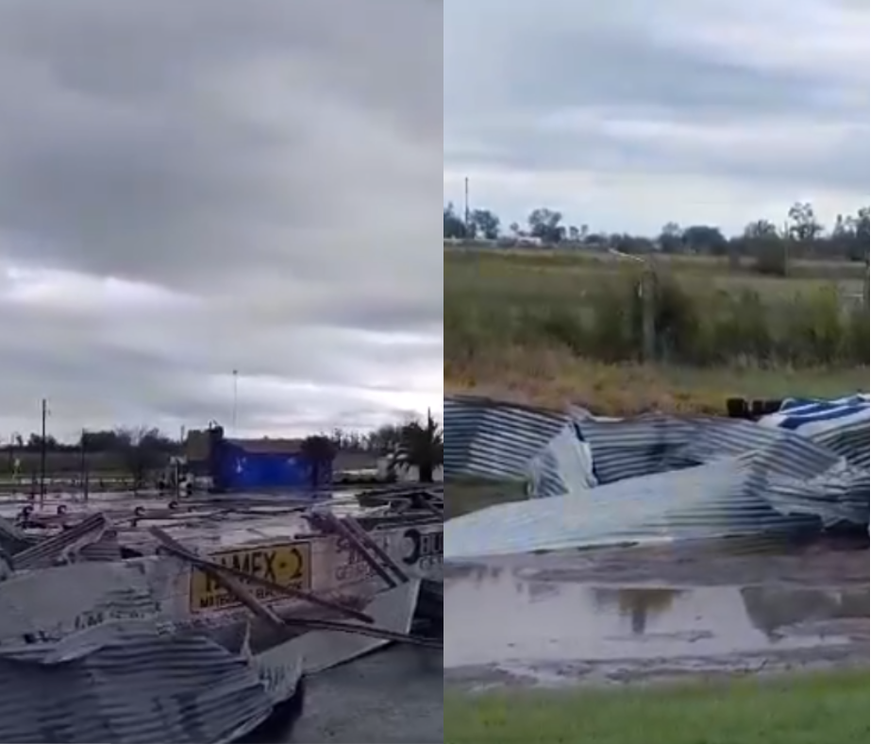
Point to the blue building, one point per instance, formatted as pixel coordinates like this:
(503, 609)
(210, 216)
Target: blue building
(254, 464)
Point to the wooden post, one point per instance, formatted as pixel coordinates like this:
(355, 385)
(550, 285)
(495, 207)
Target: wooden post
(866, 289)
(647, 290)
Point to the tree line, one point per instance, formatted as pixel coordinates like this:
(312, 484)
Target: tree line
(137, 452)
(381, 440)
(802, 234)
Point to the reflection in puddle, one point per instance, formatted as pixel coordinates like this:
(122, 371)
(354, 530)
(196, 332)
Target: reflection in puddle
(637, 604)
(494, 616)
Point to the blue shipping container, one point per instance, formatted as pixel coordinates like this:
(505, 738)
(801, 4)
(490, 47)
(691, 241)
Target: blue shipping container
(235, 469)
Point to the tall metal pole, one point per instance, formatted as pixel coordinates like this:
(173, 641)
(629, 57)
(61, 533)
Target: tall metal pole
(467, 212)
(84, 465)
(234, 376)
(42, 451)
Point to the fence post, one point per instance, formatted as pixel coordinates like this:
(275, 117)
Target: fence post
(866, 289)
(647, 290)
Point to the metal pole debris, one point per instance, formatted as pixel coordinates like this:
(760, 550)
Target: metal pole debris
(328, 523)
(362, 536)
(179, 550)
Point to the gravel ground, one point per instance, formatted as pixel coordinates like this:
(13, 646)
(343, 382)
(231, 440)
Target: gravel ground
(391, 696)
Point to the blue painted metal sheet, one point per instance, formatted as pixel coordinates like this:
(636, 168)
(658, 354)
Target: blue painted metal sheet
(234, 469)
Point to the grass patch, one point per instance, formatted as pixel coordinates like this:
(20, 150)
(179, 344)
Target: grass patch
(464, 495)
(547, 329)
(697, 322)
(822, 708)
(553, 378)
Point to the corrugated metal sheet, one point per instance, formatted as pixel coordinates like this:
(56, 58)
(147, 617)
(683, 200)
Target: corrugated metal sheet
(494, 440)
(98, 652)
(665, 478)
(12, 539)
(128, 682)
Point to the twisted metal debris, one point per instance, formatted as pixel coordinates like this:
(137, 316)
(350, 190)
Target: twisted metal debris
(97, 648)
(656, 478)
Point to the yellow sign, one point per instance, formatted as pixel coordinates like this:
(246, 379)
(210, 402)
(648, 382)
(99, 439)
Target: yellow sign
(287, 564)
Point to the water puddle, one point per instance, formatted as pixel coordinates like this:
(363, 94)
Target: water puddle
(496, 615)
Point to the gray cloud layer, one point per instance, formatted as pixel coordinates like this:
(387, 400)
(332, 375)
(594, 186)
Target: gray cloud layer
(746, 104)
(193, 188)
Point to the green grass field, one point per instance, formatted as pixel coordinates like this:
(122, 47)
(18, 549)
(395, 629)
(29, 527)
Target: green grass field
(550, 328)
(809, 708)
(468, 495)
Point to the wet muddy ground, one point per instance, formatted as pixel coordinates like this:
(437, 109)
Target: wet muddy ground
(391, 696)
(646, 614)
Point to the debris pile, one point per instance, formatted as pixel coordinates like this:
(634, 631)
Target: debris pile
(601, 482)
(182, 641)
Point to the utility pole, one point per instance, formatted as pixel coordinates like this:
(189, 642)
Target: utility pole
(84, 466)
(234, 375)
(467, 211)
(43, 412)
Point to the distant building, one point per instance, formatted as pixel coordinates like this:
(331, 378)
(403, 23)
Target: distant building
(252, 464)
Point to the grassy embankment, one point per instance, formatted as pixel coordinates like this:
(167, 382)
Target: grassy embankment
(550, 328)
(799, 709)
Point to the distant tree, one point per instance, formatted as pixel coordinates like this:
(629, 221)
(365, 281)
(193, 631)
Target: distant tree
(453, 225)
(862, 227)
(704, 239)
(142, 450)
(421, 446)
(385, 439)
(803, 225)
(770, 250)
(35, 443)
(671, 238)
(545, 224)
(319, 451)
(760, 229)
(485, 224)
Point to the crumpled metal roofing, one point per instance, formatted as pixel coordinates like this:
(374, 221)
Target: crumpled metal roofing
(106, 651)
(128, 682)
(494, 440)
(658, 477)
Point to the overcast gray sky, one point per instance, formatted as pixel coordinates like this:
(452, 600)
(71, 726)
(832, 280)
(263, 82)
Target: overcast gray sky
(628, 114)
(190, 188)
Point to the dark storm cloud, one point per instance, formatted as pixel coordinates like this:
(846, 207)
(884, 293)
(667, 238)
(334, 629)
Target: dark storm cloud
(171, 142)
(274, 164)
(513, 73)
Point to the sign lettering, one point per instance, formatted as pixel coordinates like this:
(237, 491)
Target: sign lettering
(413, 548)
(426, 548)
(88, 619)
(351, 565)
(288, 565)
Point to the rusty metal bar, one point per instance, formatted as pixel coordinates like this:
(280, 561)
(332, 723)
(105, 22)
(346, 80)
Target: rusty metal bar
(363, 536)
(330, 523)
(371, 632)
(44, 553)
(164, 538)
(232, 585)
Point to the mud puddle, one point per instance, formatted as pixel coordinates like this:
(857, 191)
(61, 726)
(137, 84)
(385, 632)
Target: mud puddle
(556, 619)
